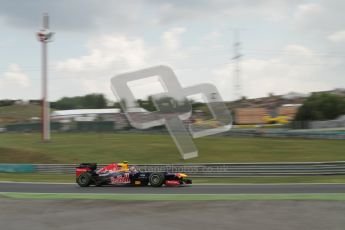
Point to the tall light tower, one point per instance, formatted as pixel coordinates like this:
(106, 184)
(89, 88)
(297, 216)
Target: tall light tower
(44, 36)
(237, 58)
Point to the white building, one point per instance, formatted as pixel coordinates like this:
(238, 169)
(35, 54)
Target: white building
(83, 114)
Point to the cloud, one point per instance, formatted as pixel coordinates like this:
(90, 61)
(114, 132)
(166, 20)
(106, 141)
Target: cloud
(177, 11)
(296, 69)
(14, 76)
(171, 38)
(119, 53)
(80, 15)
(195, 45)
(322, 17)
(77, 15)
(108, 51)
(308, 11)
(338, 36)
(108, 55)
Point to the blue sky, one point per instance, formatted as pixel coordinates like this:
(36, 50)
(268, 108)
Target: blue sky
(286, 45)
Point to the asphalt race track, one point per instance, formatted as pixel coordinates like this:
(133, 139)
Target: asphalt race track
(193, 189)
(170, 215)
(61, 214)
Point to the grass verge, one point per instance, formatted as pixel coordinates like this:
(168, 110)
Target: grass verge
(18, 113)
(148, 148)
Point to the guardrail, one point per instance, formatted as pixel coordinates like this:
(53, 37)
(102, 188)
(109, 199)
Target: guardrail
(306, 133)
(23, 168)
(224, 169)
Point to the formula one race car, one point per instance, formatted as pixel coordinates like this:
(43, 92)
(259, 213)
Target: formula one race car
(121, 174)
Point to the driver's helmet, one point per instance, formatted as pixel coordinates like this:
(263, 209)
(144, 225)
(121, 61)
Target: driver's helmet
(123, 166)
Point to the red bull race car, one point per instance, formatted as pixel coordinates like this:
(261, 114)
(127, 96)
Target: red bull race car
(122, 174)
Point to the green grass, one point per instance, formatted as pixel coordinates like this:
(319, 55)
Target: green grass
(176, 197)
(69, 178)
(18, 113)
(141, 148)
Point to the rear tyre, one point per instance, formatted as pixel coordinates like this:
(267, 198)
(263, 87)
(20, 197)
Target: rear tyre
(84, 180)
(156, 179)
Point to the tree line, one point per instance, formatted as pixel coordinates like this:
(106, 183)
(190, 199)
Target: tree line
(319, 106)
(90, 101)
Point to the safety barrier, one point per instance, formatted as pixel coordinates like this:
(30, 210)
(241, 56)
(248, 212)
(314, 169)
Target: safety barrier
(224, 169)
(27, 168)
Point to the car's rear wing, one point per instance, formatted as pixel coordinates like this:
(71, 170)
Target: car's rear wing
(85, 167)
(92, 166)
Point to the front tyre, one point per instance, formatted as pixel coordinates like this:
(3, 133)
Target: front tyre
(84, 180)
(156, 179)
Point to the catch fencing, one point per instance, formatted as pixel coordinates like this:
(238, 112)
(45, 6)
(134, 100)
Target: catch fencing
(224, 170)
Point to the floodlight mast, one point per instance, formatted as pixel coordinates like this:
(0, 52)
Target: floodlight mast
(44, 36)
(237, 59)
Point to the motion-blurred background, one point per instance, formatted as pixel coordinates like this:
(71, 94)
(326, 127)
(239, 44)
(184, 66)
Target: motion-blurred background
(278, 65)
